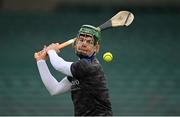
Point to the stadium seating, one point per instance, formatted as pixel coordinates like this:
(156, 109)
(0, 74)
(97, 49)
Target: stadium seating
(143, 78)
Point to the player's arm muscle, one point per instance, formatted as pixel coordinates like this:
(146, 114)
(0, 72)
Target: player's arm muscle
(59, 64)
(52, 85)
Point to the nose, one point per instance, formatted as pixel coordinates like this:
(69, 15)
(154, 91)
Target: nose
(84, 43)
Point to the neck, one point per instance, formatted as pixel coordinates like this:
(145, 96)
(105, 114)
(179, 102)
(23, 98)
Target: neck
(86, 57)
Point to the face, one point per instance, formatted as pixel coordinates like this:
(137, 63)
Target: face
(85, 45)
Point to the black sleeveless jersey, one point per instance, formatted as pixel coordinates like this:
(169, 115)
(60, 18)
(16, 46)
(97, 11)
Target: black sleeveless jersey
(89, 91)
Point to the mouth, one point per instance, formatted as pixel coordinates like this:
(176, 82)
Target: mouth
(82, 51)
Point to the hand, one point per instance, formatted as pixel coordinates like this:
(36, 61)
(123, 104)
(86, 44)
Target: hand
(53, 46)
(41, 55)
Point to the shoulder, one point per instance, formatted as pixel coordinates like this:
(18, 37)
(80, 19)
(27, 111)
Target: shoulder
(85, 67)
(79, 68)
(83, 63)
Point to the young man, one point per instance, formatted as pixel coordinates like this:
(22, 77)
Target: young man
(84, 78)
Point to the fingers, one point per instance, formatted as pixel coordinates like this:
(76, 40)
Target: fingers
(53, 46)
(35, 55)
(41, 55)
(44, 47)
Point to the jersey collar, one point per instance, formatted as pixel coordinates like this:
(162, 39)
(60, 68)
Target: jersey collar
(89, 58)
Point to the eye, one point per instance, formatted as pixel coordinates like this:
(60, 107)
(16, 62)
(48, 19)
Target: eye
(82, 35)
(81, 39)
(89, 36)
(89, 41)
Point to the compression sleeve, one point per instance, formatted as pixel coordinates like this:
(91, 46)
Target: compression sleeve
(59, 64)
(52, 85)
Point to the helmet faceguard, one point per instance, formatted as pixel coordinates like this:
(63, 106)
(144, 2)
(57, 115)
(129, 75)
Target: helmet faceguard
(91, 30)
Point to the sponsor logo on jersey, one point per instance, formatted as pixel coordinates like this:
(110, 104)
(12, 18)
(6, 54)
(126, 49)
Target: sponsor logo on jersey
(75, 85)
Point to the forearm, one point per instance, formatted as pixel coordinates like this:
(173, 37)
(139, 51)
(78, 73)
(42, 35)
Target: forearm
(52, 85)
(59, 64)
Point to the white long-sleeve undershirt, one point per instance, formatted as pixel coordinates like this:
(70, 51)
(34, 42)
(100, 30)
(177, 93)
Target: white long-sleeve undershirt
(59, 64)
(52, 85)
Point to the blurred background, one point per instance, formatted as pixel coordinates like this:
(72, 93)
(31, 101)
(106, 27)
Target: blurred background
(143, 78)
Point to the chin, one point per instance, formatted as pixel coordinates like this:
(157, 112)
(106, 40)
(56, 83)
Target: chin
(82, 53)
